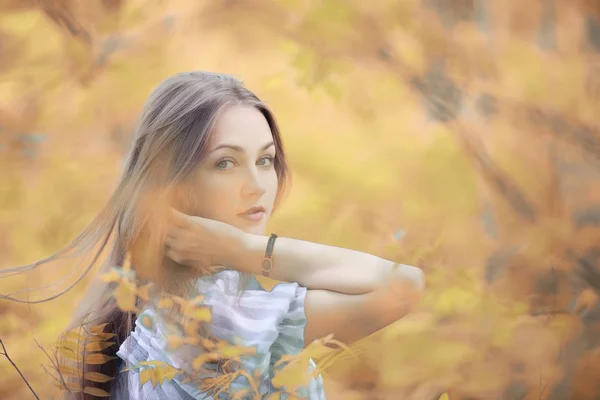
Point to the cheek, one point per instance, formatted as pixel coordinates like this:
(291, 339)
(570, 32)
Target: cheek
(215, 196)
(272, 188)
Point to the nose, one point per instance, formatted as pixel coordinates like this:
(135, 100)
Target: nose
(252, 184)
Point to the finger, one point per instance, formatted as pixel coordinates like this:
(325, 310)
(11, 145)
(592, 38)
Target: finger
(178, 218)
(170, 241)
(173, 255)
(174, 232)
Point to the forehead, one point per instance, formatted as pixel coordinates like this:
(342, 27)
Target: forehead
(242, 126)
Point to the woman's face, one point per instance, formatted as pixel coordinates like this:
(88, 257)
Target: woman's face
(236, 182)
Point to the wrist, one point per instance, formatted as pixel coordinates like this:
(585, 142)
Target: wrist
(246, 256)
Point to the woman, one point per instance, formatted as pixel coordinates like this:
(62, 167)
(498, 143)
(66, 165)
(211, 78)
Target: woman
(209, 148)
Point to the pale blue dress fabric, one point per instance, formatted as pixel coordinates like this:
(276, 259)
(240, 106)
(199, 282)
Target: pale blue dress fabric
(271, 321)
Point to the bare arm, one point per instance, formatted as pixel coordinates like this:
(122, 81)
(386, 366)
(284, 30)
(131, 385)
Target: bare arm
(201, 241)
(321, 267)
(352, 317)
(350, 293)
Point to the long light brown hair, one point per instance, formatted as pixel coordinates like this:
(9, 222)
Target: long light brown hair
(170, 141)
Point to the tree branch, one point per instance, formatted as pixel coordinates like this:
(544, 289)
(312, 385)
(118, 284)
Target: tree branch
(5, 354)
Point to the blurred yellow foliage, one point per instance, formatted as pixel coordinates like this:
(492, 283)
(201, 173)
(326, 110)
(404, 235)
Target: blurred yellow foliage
(460, 136)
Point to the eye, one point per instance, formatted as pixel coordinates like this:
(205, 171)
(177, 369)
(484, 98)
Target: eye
(266, 161)
(225, 163)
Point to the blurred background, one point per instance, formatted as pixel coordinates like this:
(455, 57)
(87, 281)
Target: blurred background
(457, 135)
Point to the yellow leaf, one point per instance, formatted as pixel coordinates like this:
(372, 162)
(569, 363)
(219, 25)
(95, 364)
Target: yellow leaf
(73, 387)
(98, 346)
(97, 377)
(98, 358)
(145, 375)
(191, 328)
(72, 335)
(127, 263)
(444, 396)
(74, 346)
(165, 303)
(144, 292)
(170, 373)
(100, 337)
(230, 351)
(109, 277)
(95, 392)
(67, 371)
(292, 375)
(98, 328)
(197, 301)
(157, 372)
(207, 344)
(69, 353)
(158, 376)
(203, 359)
(201, 314)
(125, 296)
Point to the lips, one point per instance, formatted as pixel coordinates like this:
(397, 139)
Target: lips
(253, 214)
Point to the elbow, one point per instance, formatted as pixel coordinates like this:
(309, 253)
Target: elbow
(397, 297)
(413, 277)
(412, 285)
(416, 277)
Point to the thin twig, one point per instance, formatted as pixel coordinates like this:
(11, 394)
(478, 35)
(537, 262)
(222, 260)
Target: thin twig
(5, 354)
(56, 366)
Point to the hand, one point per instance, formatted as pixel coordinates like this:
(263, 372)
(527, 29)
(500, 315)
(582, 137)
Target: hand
(201, 242)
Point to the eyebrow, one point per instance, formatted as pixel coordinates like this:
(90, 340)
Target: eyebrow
(238, 148)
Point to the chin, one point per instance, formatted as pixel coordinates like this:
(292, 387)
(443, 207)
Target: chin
(255, 228)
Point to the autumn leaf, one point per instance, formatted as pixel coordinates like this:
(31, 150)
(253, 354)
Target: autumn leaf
(179, 300)
(207, 344)
(144, 292)
(196, 301)
(94, 391)
(500, 86)
(226, 350)
(191, 328)
(111, 276)
(156, 372)
(292, 375)
(201, 314)
(98, 346)
(98, 328)
(73, 335)
(444, 396)
(98, 358)
(97, 377)
(165, 303)
(100, 337)
(69, 353)
(68, 371)
(72, 387)
(146, 375)
(125, 295)
(203, 359)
